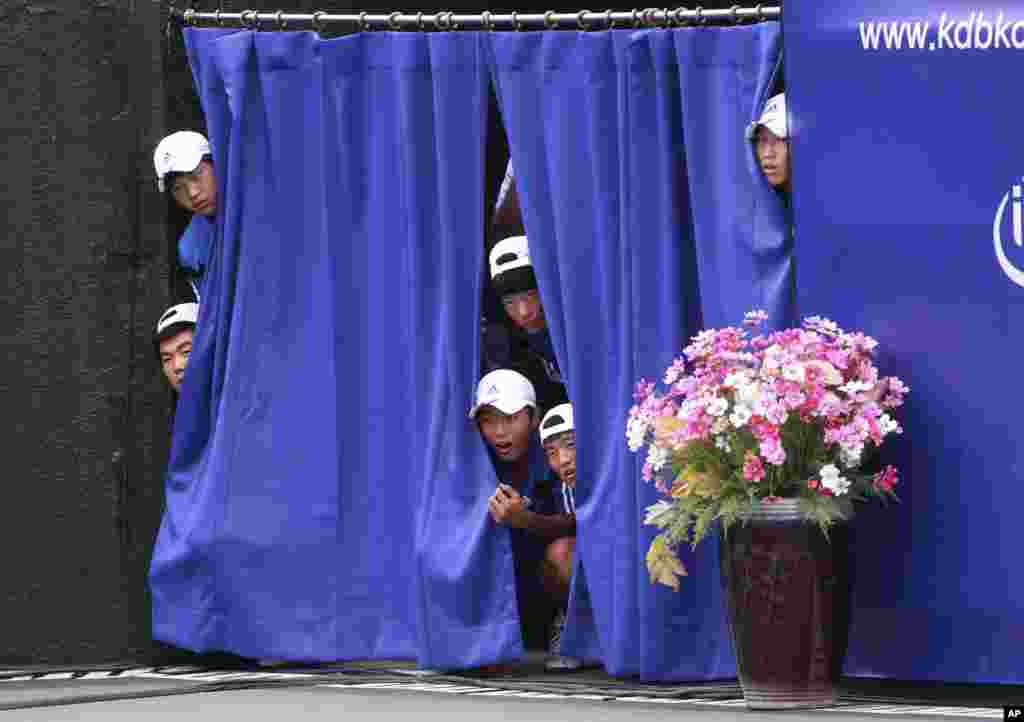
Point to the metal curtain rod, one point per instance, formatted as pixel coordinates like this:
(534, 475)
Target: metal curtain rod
(443, 21)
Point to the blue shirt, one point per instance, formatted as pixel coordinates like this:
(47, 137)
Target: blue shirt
(540, 344)
(195, 243)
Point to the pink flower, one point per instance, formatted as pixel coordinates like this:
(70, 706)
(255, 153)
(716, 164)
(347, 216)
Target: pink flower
(812, 483)
(753, 469)
(773, 452)
(886, 479)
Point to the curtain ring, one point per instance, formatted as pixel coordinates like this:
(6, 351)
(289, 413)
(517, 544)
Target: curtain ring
(635, 15)
(734, 14)
(698, 15)
(608, 21)
(516, 24)
(364, 24)
(760, 14)
(669, 22)
(452, 24)
(393, 20)
(648, 15)
(485, 18)
(678, 18)
(281, 24)
(188, 16)
(438, 21)
(217, 18)
(549, 20)
(581, 23)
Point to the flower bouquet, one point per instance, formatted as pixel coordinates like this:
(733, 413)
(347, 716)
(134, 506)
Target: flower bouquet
(749, 419)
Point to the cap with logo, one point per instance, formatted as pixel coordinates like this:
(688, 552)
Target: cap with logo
(556, 421)
(773, 117)
(506, 390)
(511, 267)
(179, 152)
(182, 313)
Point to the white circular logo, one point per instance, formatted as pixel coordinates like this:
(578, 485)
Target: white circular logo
(1013, 198)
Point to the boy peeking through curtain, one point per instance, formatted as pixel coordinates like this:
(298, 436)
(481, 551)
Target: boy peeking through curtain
(505, 410)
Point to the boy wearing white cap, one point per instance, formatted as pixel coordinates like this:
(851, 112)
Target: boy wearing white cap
(505, 410)
(558, 437)
(515, 284)
(184, 168)
(173, 340)
(770, 135)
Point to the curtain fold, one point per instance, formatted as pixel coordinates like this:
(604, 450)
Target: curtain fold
(645, 220)
(326, 494)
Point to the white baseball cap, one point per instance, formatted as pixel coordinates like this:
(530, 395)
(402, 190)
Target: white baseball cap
(182, 313)
(773, 117)
(556, 421)
(506, 390)
(179, 152)
(510, 254)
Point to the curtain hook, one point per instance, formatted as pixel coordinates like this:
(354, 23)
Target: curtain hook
(217, 18)
(678, 18)
(635, 15)
(698, 16)
(364, 24)
(668, 18)
(516, 24)
(734, 14)
(649, 19)
(549, 20)
(318, 23)
(485, 17)
(581, 22)
(281, 24)
(608, 21)
(760, 14)
(393, 20)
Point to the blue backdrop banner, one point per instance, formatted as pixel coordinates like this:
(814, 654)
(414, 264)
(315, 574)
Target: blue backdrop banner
(907, 199)
(326, 497)
(645, 215)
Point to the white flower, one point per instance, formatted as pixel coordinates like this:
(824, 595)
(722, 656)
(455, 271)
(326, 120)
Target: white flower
(793, 372)
(855, 387)
(735, 380)
(636, 431)
(657, 457)
(887, 425)
(748, 394)
(850, 456)
(723, 443)
(831, 480)
(740, 416)
(717, 406)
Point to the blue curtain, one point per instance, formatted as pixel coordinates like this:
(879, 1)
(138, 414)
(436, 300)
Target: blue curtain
(326, 494)
(647, 219)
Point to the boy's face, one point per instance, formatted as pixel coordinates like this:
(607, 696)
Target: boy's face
(507, 434)
(196, 192)
(174, 353)
(525, 310)
(773, 155)
(561, 452)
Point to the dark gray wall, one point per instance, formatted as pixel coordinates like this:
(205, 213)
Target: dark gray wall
(85, 258)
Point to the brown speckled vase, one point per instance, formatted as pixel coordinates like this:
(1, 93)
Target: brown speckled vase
(788, 601)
